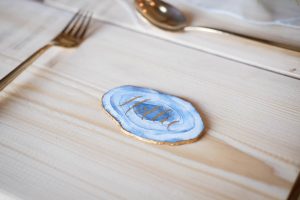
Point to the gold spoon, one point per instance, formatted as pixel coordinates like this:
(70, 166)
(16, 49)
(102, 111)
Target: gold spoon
(167, 17)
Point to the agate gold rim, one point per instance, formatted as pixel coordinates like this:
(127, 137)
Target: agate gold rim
(149, 141)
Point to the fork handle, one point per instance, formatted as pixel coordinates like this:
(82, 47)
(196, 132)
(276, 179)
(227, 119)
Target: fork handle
(21, 67)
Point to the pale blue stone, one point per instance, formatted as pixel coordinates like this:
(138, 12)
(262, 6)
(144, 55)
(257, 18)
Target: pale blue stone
(153, 116)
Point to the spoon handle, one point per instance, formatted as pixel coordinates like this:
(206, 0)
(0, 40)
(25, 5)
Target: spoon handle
(229, 33)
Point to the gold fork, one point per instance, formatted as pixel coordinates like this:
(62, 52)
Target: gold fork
(71, 36)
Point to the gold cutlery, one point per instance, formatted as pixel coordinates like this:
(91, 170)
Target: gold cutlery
(168, 17)
(71, 36)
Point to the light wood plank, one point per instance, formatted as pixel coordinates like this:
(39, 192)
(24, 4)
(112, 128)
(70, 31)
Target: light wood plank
(122, 13)
(55, 139)
(69, 136)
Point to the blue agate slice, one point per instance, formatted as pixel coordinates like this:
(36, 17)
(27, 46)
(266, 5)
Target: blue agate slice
(153, 116)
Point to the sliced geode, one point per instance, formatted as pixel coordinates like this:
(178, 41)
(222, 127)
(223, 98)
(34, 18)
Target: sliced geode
(153, 116)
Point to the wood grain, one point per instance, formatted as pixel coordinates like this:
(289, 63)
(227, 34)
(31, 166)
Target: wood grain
(57, 143)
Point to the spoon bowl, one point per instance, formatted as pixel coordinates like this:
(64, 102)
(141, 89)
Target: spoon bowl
(161, 14)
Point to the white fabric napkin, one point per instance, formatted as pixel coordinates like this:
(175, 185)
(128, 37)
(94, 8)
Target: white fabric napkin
(274, 20)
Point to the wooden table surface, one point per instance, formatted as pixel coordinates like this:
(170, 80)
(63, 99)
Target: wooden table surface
(57, 143)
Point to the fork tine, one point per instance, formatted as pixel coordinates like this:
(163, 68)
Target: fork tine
(81, 25)
(76, 24)
(70, 22)
(84, 29)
